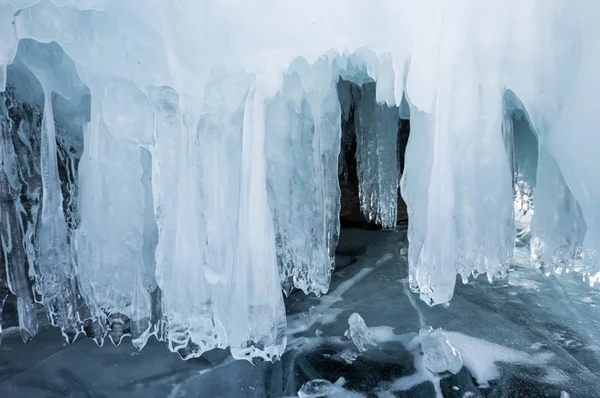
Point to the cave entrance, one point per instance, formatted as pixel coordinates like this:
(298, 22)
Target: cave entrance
(523, 152)
(373, 136)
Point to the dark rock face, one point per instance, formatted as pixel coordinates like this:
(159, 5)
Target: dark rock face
(350, 213)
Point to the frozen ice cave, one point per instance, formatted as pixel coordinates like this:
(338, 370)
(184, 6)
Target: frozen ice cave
(181, 169)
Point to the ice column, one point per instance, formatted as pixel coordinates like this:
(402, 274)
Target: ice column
(376, 156)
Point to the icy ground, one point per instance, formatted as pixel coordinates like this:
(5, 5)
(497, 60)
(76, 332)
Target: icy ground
(530, 336)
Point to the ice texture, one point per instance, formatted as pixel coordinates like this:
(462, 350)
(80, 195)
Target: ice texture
(169, 167)
(438, 353)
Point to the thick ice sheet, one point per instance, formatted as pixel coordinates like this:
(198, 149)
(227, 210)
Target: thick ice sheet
(538, 339)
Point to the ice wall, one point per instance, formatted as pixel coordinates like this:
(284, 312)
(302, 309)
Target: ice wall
(169, 166)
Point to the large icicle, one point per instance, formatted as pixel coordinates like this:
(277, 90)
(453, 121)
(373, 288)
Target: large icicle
(12, 249)
(57, 274)
(376, 157)
(111, 265)
(194, 324)
(457, 183)
(302, 148)
(257, 324)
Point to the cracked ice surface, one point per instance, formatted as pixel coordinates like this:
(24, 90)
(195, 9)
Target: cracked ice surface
(192, 174)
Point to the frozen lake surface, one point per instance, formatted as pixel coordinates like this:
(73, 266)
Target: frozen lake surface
(528, 336)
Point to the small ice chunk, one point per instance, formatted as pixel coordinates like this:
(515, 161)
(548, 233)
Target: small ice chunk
(318, 333)
(349, 356)
(359, 333)
(564, 394)
(439, 355)
(316, 388)
(310, 317)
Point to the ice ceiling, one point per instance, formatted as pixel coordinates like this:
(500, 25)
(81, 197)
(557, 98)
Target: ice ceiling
(169, 166)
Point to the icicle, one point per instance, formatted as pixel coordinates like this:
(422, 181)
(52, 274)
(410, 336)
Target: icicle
(191, 294)
(11, 234)
(257, 315)
(110, 235)
(55, 262)
(302, 149)
(376, 157)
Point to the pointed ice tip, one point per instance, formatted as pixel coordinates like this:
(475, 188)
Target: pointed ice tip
(99, 341)
(139, 343)
(26, 335)
(69, 335)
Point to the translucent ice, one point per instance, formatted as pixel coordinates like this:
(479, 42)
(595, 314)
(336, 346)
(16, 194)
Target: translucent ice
(359, 332)
(438, 354)
(169, 167)
(376, 156)
(316, 388)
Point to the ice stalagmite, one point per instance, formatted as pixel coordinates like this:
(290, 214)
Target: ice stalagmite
(376, 157)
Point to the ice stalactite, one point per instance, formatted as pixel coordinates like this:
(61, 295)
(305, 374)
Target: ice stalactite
(111, 266)
(457, 182)
(14, 276)
(258, 326)
(376, 156)
(303, 135)
(195, 322)
(56, 268)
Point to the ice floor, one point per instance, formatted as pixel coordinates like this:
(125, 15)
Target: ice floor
(531, 336)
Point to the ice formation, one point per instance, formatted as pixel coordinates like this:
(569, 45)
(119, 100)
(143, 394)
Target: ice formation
(359, 332)
(169, 166)
(438, 353)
